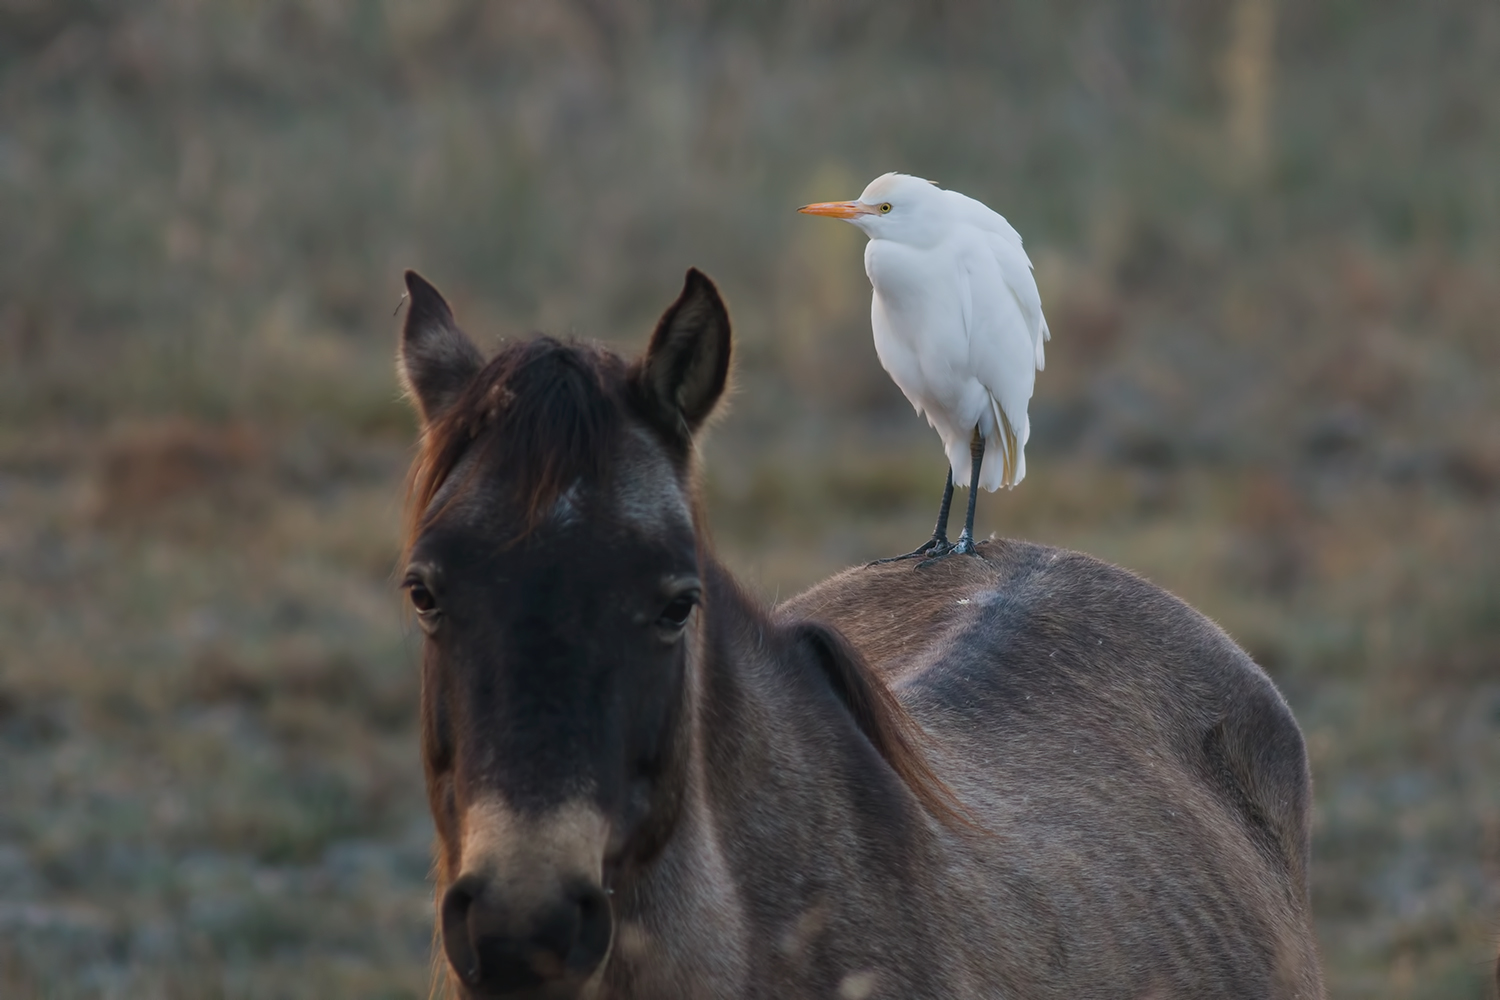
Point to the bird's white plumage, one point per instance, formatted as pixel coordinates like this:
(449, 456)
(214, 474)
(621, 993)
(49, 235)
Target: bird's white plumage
(957, 318)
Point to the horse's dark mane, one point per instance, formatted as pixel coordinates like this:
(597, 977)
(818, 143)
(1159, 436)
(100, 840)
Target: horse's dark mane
(873, 707)
(885, 722)
(546, 411)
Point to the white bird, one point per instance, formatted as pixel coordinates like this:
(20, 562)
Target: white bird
(958, 326)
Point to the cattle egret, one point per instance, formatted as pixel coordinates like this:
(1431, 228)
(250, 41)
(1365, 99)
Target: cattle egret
(958, 326)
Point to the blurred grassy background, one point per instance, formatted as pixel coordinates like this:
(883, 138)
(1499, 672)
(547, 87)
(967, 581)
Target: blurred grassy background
(1268, 240)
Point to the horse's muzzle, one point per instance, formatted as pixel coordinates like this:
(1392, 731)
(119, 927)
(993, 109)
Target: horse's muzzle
(498, 949)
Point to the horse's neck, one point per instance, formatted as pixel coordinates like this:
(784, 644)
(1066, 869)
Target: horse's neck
(766, 719)
(771, 831)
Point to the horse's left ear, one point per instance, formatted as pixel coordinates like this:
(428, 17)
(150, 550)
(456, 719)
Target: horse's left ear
(437, 359)
(684, 371)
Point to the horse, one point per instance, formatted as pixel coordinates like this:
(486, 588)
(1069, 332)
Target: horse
(1021, 773)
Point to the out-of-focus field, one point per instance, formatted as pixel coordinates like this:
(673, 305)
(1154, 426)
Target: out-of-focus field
(1268, 241)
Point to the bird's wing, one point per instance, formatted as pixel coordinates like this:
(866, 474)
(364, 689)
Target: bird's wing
(1004, 346)
(895, 354)
(1015, 266)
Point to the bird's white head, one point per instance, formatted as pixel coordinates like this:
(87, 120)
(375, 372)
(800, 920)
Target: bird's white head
(894, 207)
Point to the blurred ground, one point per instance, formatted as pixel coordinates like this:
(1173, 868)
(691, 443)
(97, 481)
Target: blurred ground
(1267, 237)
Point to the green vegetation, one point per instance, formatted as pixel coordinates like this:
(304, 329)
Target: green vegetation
(1267, 236)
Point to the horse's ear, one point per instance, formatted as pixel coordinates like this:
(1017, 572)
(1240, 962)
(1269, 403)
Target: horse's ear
(683, 373)
(437, 359)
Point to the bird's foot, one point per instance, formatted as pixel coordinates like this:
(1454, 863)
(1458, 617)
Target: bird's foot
(935, 546)
(963, 547)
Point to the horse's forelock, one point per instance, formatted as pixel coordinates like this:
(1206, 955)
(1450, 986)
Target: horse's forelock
(545, 413)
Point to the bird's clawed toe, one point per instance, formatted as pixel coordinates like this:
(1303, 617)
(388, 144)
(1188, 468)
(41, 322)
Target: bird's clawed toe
(932, 548)
(937, 555)
(963, 547)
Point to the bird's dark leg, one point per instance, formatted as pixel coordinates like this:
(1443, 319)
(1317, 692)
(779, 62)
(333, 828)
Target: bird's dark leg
(940, 533)
(965, 544)
(937, 545)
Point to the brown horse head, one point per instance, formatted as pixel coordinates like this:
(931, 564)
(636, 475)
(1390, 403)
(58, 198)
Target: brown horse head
(553, 564)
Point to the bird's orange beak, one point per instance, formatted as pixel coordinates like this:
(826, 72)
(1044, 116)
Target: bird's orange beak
(839, 209)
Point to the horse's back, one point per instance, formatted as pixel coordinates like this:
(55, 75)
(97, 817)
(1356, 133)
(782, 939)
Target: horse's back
(1128, 759)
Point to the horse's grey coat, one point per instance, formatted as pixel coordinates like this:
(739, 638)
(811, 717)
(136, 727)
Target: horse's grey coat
(1145, 785)
(1134, 793)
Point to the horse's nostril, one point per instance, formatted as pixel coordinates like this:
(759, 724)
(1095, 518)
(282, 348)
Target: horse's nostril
(458, 941)
(574, 935)
(594, 926)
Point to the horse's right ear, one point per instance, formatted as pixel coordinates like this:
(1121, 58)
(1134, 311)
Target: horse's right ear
(437, 359)
(684, 371)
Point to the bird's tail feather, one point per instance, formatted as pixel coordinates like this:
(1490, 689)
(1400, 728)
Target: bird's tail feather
(1011, 455)
(1004, 453)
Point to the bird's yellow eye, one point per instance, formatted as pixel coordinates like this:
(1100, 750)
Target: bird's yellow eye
(885, 208)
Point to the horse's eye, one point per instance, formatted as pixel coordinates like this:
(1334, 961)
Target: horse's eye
(675, 615)
(419, 594)
(421, 597)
